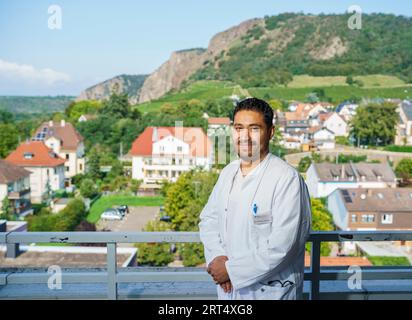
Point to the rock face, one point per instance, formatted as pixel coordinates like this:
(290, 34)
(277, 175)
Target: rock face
(182, 64)
(130, 84)
(172, 73)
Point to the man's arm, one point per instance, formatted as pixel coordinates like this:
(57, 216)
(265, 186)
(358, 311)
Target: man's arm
(285, 238)
(209, 227)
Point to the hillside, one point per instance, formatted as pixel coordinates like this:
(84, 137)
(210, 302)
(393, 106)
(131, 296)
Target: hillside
(31, 105)
(130, 84)
(270, 51)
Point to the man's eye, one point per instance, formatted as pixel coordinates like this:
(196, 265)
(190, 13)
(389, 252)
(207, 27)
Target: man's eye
(255, 129)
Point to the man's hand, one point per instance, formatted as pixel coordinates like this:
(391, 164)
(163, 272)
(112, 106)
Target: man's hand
(226, 286)
(217, 269)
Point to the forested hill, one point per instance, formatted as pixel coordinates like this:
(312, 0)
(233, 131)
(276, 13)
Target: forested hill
(276, 47)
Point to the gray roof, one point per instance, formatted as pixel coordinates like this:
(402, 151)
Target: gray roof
(377, 200)
(354, 172)
(10, 173)
(407, 109)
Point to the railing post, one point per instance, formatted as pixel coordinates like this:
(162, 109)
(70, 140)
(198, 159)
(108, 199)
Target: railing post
(111, 271)
(315, 270)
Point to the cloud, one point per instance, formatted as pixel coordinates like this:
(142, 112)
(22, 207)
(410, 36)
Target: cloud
(10, 71)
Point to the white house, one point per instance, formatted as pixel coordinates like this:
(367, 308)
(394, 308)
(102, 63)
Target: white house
(163, 153)
(323, 138)
(347, 111)
(336, 124)
(324, 178)
(404, 127)
(46, 167)
(15, 185)
(67, 142)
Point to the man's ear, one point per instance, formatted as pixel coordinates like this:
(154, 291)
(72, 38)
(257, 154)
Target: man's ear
(272, 132)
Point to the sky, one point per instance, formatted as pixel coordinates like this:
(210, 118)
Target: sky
(98, 40)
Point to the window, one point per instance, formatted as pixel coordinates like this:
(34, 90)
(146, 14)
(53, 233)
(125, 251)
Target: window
(354, 218)
(67, 156)
(67, 169)
(364, 218)
(387, 218)
(28, 155)
(81, 167)
(179, 149)
(368, 218)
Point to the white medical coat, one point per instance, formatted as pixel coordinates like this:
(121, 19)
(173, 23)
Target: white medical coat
(265, 251)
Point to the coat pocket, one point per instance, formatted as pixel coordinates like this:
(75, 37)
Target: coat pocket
(261, 228)
(276, 290)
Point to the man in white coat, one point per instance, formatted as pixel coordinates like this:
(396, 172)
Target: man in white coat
(258, 216)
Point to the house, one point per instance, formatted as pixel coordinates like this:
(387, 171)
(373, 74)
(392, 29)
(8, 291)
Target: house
(323, 138)
(347, 110)
(335, 123)
(404, 127)
(15, 185)
(295, 122)
(218, 126)
(291, 143)
(324, 178)
(87, 117)
(164, 153)
(371, 209)
(362, 209)
(67, 142)
(46, 167)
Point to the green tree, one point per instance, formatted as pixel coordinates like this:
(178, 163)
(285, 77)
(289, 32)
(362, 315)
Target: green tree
(88, 188)
(375, 124)
(155, 254)
(321, 221)
(404, 170)
(9, 139)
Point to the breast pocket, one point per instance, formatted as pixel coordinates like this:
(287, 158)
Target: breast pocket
(261, 227)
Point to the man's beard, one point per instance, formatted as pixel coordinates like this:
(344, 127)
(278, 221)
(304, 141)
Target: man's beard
(251, 154)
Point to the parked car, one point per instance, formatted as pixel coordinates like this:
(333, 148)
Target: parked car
(123, 209)
(165, 218)
(111, 214)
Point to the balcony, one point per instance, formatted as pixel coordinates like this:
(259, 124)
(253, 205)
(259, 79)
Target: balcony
(16, 195)
(113, 282)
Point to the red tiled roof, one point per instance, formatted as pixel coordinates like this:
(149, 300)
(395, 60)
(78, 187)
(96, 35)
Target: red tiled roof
(340, 261)
(200, 145)
(42, 155)
(225, 121)
(65, 132)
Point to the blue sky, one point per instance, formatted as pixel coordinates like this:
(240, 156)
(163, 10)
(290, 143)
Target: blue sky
(101, 39)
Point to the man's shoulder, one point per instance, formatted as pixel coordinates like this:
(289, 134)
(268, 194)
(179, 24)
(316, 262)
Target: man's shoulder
(279, 167)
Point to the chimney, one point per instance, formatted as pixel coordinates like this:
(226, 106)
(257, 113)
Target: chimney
(154, 135)
(51, 123)
(369, 192)
(62, 123)
(342, 174)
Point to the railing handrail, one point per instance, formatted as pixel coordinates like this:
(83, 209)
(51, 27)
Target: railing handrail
(113, 238)
(182, 236)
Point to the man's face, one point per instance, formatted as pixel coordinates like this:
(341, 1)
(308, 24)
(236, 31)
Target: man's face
(251, 135)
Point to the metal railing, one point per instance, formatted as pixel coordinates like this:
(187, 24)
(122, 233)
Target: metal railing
(113, 277)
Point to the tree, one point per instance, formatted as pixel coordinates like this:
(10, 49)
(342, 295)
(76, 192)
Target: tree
(155, 254)
(321, 221)
(118, 107)
(9, 139)
(374, 124)
(404, 170)
(349, 80)
(88, 189)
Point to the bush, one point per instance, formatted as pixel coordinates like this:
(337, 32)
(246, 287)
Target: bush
(88, 189)
(65, 220)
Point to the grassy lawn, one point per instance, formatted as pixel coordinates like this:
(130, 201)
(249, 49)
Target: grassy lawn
(389, 261)
(106, 202)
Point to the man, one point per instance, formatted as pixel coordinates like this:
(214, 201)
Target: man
(258, 216)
